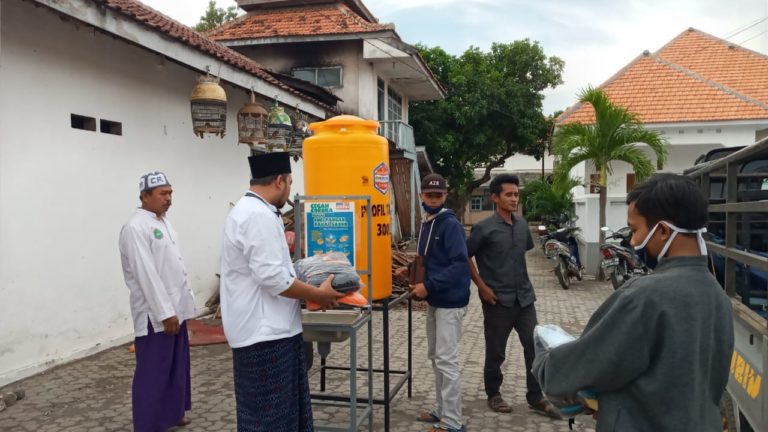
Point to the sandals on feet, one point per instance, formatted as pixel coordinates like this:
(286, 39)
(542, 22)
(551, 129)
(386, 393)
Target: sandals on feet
(442, 427)
(545, 407)
(428, 417)
(496, 403)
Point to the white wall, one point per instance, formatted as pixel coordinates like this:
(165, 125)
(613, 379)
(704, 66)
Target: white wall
(64, 193)
(521, 162)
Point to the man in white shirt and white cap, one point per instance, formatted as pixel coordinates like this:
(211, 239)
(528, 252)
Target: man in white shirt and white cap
(161, 302)
(260, 305)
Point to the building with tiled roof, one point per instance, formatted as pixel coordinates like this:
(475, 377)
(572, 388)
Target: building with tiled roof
(96, 93)
(698, 91)
(694, 78)
(341, 46)
(295, 22)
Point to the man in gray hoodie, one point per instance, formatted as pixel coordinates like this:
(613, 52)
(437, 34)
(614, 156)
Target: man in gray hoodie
(658, 351)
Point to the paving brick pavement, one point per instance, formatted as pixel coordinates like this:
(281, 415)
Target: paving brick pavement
(93, 394)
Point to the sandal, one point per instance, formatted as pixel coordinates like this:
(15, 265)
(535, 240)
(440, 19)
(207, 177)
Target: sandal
(184, 421)
(545, 407)
(442, 427)
(428, 417)
(496, 403)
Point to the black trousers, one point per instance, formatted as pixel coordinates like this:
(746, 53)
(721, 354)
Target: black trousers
(498, 323)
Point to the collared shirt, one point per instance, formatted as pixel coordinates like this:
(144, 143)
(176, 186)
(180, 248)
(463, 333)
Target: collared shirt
(154, 272)
(256, 268)
(499, 250)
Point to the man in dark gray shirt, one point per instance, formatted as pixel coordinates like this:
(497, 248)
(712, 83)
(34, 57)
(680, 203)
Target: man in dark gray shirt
(658, 351)
(499, 244)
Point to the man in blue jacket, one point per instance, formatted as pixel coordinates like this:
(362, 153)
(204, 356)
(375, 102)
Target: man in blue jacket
(446, 288)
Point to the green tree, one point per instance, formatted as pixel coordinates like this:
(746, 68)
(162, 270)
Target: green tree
(547, 200)
(493, 110)
(616, 135)
(215, 16)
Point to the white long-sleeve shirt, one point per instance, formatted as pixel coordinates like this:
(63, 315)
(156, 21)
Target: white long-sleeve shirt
(154, 272)
(255, 268)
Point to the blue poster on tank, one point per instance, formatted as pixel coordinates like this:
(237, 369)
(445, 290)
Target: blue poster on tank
(330, 227)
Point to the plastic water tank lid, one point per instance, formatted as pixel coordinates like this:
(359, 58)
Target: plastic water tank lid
(344, 121)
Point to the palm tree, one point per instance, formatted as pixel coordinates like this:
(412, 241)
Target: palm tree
(614, 136)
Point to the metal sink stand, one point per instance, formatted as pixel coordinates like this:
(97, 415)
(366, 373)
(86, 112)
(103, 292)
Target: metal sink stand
(352, 401)
(406, 375)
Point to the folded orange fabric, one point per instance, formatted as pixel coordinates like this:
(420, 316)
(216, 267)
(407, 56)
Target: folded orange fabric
(351, 299)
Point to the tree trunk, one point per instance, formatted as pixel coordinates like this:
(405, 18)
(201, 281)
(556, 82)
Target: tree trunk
(603, 203)
(457, 201)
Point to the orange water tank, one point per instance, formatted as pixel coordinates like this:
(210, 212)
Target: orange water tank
(345, 156)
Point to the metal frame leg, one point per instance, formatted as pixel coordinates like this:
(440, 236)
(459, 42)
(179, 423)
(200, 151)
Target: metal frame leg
(410, 349)
(353, 378)
(370, 374)
(385, 316)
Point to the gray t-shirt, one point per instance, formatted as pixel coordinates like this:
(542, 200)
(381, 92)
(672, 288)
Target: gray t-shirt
(499, 250)
(657, 353)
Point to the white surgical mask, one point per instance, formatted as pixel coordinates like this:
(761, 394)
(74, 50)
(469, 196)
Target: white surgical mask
(675, 230)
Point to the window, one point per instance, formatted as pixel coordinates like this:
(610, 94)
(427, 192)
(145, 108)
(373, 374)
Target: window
(381, 99)
(394, 105)
(630, 182)
(111, 127)
(83, 122)
(476, 204)
(329, 77)
(394, 113)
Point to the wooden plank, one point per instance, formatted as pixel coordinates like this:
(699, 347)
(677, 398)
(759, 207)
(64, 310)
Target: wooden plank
(740, 256)
(749, 318)
(740, 207)
(401, 183)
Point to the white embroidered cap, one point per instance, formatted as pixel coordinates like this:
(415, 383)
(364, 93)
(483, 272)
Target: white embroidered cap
(153, 180)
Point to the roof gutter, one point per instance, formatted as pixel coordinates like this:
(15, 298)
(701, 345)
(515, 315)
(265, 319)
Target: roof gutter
(136, 33)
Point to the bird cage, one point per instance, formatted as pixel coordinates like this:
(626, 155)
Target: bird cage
(251, 124)
(300, 132)
(209, 107)
(279, 129)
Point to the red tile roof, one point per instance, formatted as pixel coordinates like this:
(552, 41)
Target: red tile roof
(694, 78)
(330, 19)
(158, 22)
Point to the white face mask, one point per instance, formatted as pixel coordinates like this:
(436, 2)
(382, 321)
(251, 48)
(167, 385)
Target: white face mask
(675, 230)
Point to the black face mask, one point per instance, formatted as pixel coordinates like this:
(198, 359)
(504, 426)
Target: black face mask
(650, 261)
(432, 210)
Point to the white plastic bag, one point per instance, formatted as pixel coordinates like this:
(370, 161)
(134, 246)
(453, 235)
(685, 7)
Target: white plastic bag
(545, 338)
(548, 336)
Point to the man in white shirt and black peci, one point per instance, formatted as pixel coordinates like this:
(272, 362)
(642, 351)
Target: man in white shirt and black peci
(260, 305)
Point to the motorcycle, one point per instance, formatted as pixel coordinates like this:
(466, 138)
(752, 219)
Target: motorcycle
(562, 249)
(620, 262)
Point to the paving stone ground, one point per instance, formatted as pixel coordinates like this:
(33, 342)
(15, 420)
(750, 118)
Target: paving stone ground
(93, 394)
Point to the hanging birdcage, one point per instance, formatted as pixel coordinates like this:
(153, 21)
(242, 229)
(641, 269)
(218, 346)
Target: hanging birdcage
(209, 107)
(251, 124)
(279, 129)
(300, 132)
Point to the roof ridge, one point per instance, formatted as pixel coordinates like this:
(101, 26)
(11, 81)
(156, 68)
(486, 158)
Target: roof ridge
(223, 26)
(575, 107)
(709, 82)
(726, 42)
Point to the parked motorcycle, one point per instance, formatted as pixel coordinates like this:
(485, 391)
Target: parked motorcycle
(620, 262)
(562, 248)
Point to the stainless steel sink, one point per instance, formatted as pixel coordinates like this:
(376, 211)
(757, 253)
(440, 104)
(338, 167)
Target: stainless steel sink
(313, 322)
